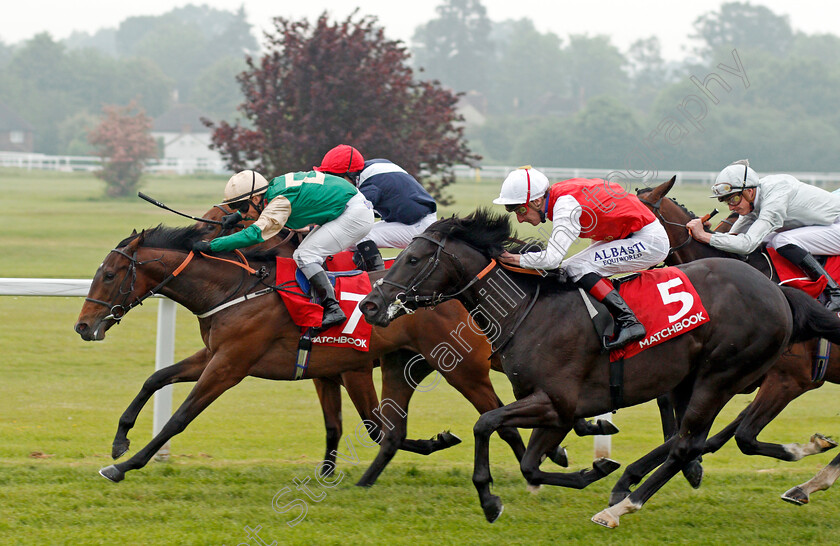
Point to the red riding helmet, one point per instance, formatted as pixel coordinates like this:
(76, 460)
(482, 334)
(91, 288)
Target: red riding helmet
(341, 160)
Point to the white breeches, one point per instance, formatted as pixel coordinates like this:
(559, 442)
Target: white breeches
(397, 235)
(334, 236)
(643, 249)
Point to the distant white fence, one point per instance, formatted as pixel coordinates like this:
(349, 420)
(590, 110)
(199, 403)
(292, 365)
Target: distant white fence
(165, 347)
(498, 173)
(70, 163)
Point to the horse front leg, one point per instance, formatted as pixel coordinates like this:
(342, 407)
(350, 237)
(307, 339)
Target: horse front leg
(217, 377)
(533, 411)
(687, 445)
(545, 438)
(188, 369)
(329, 394)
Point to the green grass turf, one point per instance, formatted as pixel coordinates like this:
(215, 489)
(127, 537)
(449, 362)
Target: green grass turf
(60, 399)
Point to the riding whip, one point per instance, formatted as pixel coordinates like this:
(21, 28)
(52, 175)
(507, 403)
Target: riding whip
(157, 203)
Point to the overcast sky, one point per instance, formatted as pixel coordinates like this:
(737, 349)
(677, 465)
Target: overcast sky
(623, 20)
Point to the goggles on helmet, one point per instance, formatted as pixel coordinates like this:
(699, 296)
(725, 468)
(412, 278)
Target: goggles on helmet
(518, 209)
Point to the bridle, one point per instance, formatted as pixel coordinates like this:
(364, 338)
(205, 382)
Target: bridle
(655, 208)
(118, 310)
(408, 299)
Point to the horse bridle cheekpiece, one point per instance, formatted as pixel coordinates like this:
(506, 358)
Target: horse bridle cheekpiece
(408, 300)
(119, 310)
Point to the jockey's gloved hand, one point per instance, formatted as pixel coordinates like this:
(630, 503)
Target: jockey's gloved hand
(230, 220)
(201, 246)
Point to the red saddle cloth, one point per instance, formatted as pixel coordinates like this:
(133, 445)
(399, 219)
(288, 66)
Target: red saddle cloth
(666, 303)
(354, 332)
(791, 275)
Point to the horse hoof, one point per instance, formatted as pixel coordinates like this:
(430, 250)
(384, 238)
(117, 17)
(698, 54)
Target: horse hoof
(605, 466)
(823, 442)
(605, 518)
(112, 473)
(693, 473)
(559, 456)
(795, 496)
(119, 449)
(607, 427)
(447, 439)
(493, 509)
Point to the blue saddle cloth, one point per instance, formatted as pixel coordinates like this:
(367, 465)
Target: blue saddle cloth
(304, 284)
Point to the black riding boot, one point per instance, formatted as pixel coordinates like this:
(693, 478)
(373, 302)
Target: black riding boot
(806, 261)
(333, 314)
(628, 328)
(368, 257)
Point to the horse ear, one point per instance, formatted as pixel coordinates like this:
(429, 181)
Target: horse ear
(670, 184)
(133, 232)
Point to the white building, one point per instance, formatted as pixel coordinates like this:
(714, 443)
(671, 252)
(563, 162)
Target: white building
(185, 141)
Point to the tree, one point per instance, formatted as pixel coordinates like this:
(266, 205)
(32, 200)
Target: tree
(596, 67)
(648, 74)
(744, 26)
(529, 73)
(455, 48)
(123, 142)
(329, 83)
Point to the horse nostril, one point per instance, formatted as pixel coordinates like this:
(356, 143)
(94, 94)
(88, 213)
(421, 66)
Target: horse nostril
(369, 307)
(81, 327)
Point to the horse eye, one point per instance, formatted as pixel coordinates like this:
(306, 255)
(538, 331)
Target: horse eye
(109, 275)
(413, 260)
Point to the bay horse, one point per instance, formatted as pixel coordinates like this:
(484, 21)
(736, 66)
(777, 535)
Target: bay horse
(257, 338)
(358, 383)
(787, 379)
(552, 355)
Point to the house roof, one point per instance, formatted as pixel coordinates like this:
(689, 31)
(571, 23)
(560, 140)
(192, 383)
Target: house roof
(181, 118)
(11, 121)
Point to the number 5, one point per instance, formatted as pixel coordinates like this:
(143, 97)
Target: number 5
(682, 297)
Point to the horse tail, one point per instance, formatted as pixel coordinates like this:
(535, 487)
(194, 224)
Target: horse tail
(810, 319)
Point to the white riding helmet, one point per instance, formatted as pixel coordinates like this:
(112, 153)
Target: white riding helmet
(734, 179)
(244, 185)
(522, 186)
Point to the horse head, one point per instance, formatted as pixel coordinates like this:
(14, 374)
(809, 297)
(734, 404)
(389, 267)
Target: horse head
(437, 266)
(110, 291)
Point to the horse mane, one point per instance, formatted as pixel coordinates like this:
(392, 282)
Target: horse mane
(160, 236)
(642, 191)
(488, 232)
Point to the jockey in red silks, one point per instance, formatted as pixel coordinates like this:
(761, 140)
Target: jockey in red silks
(796, 219)
(626, 236)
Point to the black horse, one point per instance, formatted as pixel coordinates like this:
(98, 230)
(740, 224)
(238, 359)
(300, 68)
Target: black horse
(552, 356)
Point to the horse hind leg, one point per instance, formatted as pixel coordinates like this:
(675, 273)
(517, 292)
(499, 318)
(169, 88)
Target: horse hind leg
(825, 478)
(329, 394)
(188, 369)
(391, 415)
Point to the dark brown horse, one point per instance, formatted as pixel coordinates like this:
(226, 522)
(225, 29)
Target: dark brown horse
(553, 358)
(790, 376)
(257, 338)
